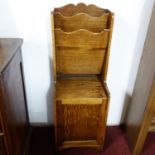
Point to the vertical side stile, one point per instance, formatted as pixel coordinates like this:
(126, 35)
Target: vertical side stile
(53, 45)
(55, 77)
(106, 62)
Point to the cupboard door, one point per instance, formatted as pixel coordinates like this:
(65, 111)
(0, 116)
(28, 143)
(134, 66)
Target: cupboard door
(81, 122)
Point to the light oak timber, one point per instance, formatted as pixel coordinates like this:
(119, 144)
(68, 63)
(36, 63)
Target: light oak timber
(81, 50)
(81, 38)
(76, 55)
(106, 60)
(53, 49)
(79, 60)
(80, 88)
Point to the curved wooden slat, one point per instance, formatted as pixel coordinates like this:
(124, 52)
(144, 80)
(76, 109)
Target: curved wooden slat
(71, 9)
(81, 21)
(81, 39)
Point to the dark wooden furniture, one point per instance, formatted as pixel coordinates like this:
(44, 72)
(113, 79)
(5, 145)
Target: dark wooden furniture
(13, 115)
(142, 107)
(81, 40)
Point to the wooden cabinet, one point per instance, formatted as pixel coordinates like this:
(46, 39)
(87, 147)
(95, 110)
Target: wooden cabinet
(13, 115)
(81, 40)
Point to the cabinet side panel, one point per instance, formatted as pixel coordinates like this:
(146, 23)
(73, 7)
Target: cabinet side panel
(14, 105)
(4, 143)
(2, 146)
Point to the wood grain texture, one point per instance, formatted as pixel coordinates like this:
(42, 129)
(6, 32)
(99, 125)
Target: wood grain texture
(79, 88)
(80, 52)
(81, 21)
(71, 9)
(74, 126)
(81, 122)
(139, 110)
(79, 61)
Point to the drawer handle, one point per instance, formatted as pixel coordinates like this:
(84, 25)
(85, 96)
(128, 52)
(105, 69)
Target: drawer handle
(1, 134)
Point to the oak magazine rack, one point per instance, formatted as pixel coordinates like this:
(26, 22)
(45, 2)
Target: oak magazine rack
(81, 48)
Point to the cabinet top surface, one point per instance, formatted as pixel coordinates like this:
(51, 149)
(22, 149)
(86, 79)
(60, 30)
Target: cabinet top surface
(8, 48)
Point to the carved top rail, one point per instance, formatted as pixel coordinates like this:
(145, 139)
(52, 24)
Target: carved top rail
(71, 9)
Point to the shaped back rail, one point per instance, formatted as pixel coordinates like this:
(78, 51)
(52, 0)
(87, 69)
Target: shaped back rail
(72, 23)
